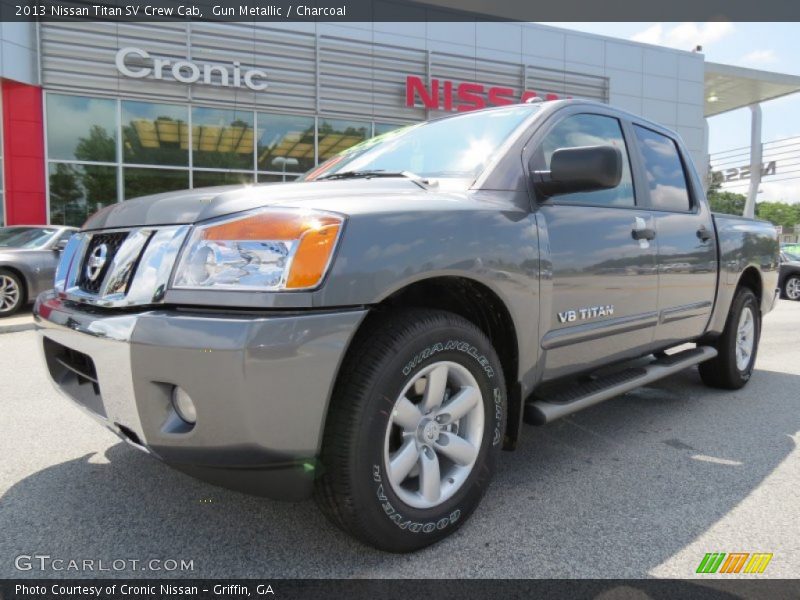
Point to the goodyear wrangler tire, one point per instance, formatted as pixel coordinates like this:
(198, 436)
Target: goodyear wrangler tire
(415, 426)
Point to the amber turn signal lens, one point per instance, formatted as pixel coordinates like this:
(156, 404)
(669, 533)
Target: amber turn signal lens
(312, 256)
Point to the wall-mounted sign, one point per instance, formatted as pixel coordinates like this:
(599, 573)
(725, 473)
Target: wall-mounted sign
(445, 94)
(187, 71)
(743, 172)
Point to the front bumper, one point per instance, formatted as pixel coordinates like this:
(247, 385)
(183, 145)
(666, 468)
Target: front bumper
(260, 385)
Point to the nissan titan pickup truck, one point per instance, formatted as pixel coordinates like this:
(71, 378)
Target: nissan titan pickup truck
(375, 333)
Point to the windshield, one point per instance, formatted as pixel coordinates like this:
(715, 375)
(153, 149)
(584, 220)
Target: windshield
(25, 237)
(456, 147)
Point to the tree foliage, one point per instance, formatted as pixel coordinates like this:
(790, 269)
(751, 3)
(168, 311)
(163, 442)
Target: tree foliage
(777, 213)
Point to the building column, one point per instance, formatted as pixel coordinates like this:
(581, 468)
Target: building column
(23, 154)
(755, 160)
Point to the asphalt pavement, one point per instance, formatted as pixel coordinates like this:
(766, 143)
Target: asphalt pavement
(640, 486)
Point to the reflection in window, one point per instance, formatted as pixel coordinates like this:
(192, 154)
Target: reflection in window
(336, 135)
(665, 176)
(381, 128)
(589, 130)
(155, 134)
(212, 178)
(222, 139)
(80, 128)
(77, 191)
(285, 143)
(143, 182)
(276, 178)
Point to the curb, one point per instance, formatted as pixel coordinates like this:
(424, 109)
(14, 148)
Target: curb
(17, 328)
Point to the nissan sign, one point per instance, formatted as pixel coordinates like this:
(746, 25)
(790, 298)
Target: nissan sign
(462, 96)
(187, 71)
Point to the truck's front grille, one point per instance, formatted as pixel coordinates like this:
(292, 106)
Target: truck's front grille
(119, 268)
(100, 253)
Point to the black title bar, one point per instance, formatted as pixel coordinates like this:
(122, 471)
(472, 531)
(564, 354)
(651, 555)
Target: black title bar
(440, 589)
(398, 10)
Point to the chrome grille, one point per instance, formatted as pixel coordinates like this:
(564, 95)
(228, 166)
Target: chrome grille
(91, 280)
(132, 269)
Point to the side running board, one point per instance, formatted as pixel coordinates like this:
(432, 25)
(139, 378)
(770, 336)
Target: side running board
(539, 411)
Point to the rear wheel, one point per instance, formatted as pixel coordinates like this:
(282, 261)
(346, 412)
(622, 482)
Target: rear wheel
(12, 294)
(414, 429)
(737, 346)
(791, 287)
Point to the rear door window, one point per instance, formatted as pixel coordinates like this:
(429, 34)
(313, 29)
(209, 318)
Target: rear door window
(666, 179)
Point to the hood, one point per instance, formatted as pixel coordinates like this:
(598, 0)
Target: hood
(343, 196)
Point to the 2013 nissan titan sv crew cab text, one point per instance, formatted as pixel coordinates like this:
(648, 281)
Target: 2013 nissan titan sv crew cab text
(376, 332)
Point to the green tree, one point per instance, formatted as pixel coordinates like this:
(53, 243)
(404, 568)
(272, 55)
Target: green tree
(66, 197)
(98, 146)
(779, 213)
(729, 203)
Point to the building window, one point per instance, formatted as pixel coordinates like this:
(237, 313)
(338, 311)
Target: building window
(381, 128)
(285, 143)
(212, 178)
(77, 191)
(155, 134)
(334, 136)
(80, 128)
(101, 151)
(222, 139)
(142, 182)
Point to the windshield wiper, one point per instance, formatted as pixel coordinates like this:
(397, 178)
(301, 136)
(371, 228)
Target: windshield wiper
(368, 174)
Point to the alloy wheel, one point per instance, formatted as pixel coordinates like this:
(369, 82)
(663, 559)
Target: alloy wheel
(9, 293)
(434, 434)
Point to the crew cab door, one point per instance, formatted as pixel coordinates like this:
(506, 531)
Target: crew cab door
(685, 236)
(599, 282)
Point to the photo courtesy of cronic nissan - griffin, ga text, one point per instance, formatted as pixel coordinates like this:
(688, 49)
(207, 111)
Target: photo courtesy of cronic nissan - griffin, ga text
(375, 333)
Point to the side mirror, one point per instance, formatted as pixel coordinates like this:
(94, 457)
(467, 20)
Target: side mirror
(60, 245)
(583, 169)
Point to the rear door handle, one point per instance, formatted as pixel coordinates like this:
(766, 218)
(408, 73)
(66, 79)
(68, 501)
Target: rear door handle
(703, 233)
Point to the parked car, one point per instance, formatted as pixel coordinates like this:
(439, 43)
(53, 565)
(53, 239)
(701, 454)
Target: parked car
(378, 331)
(789, 279)
(28, 258)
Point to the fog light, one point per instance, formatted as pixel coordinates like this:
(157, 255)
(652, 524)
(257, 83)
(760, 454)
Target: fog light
(183, 405)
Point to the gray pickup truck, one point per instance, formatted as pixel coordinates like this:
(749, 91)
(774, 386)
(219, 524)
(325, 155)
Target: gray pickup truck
(375, 333)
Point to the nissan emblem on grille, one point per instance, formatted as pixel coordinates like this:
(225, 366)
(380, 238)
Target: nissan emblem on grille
(96, 262)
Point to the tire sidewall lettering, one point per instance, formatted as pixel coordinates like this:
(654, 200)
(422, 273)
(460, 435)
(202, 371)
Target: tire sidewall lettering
(494, 398)
(406, 524)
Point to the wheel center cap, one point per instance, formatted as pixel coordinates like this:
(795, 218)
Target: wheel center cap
(429, 431)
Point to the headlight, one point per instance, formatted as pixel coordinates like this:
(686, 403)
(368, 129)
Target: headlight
(273, 249)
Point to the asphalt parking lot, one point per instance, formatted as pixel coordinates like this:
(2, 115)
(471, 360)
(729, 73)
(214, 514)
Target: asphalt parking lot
(641, 486)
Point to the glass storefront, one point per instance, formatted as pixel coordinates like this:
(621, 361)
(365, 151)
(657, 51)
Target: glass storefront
(101, 151)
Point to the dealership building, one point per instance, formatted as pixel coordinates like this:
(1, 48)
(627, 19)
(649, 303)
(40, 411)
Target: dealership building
(97, 112)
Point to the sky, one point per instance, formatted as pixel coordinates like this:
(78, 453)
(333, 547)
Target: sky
(766, 46)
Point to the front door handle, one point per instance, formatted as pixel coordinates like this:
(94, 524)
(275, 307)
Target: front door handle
(643, 233)
(703, 233)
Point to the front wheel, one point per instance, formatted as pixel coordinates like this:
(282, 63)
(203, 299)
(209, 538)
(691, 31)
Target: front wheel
(737, 346)
(791, 287)
(415, 425)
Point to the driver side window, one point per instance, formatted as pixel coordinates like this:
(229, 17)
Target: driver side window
(589, 130)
